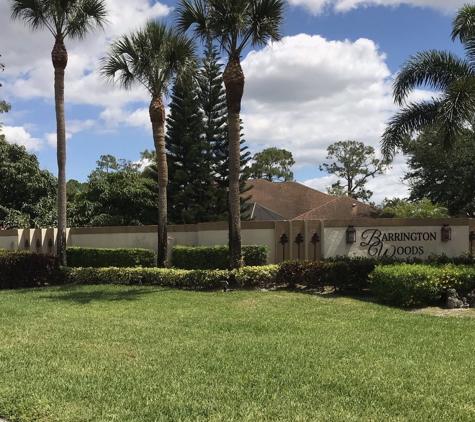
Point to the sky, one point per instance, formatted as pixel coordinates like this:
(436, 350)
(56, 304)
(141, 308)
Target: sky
(328, 80)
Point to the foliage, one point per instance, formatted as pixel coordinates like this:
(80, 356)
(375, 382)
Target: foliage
(154, 57)
(444, 176)
(233, 25)
(116, 194)
(272, 164)
(28, 269)
(355, 163)
(449, 111)
(27, 193)
(167, 277)
(417, 284)
(417, 209)
(191, 190)
(263, 276)
(216, 257)
(111, 257)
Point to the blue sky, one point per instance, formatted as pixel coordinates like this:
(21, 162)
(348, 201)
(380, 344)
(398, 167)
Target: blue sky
(328, 81)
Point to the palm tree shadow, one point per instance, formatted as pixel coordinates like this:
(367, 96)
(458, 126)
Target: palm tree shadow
(73, 294)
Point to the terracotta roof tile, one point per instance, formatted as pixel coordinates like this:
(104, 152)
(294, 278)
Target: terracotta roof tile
(344, 208)
(289, 199)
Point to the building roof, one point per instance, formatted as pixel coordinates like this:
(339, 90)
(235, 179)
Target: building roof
(342, 208)
(288, 199)
(294, 201)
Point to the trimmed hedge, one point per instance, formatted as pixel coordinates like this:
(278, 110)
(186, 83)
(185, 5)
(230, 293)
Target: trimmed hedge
(419, 285)
(110, 257)
(216, 257)
(171, 277)
(28, 269)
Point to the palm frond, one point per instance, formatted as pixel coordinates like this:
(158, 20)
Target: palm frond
(433, 69)
(464, 29)
(85, 17)
(34, 13)
(152, 56)
(412, 118)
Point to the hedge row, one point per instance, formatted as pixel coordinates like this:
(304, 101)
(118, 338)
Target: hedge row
(111, 257)
(28, 269)
(419, 285)
(174, 278)
(216, 257)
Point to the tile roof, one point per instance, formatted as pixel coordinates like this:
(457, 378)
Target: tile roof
(288, 199)
(342, 208)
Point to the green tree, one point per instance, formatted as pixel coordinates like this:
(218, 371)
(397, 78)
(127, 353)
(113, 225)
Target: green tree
(234, 24)
(416, 209)
(191, 191)
(153, 56)
(272, 164)
(63, 18)
(444, 176)
(114, 197)
(355, 163)
(27, 193)
(213, 103)
(448, 112)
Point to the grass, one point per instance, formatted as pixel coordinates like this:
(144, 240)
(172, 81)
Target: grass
(115, 353)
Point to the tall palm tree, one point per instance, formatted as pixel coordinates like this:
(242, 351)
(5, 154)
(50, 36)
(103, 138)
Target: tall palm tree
(451, 110)
(234, 24)
(154, 57)
(64, 19)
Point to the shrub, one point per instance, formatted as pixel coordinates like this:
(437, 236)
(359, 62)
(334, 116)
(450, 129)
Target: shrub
(167, 277)
(28, 269)
(110, 257)
(216, 257)
(419, 285)
(262, 276)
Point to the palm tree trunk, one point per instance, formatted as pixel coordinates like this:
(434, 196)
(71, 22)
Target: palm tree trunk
(157, 117)
(233, 78)
(59, 56)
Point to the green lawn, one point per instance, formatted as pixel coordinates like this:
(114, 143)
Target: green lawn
(114, 353)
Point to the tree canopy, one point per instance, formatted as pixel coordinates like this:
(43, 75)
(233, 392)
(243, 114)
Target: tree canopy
(448, 112)
(355, 163)
(27, 193)
(444, 176)
(272, 164)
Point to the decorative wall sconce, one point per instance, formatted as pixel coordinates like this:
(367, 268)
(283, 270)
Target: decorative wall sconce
(50, 245)
(283, 240)
(38, 245)
(26, 244)
(445, 233)
(471, 238)
(350, 234)
(298, 241)
(314, 240)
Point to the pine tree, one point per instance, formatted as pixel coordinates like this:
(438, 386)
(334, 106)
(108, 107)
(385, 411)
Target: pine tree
(191, 191)
(213, 102)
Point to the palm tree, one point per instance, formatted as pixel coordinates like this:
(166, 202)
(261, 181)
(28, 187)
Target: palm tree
(64, 19)
(451, 110)
(234, 24)
(153, 57)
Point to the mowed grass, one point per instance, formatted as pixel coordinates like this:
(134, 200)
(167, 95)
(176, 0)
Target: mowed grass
(114, 353)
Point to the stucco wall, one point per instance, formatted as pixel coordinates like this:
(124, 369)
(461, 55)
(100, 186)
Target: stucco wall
(396, 238)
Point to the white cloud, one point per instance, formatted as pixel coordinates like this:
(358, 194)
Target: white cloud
(52, 139)
(18, 135)
(318, 6)
(313, 92)
(29, 71)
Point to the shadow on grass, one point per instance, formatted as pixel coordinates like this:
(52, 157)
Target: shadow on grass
(77, 295)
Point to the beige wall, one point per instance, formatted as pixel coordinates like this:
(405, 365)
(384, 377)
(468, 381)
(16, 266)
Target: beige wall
(390, 238)
(332, 234)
